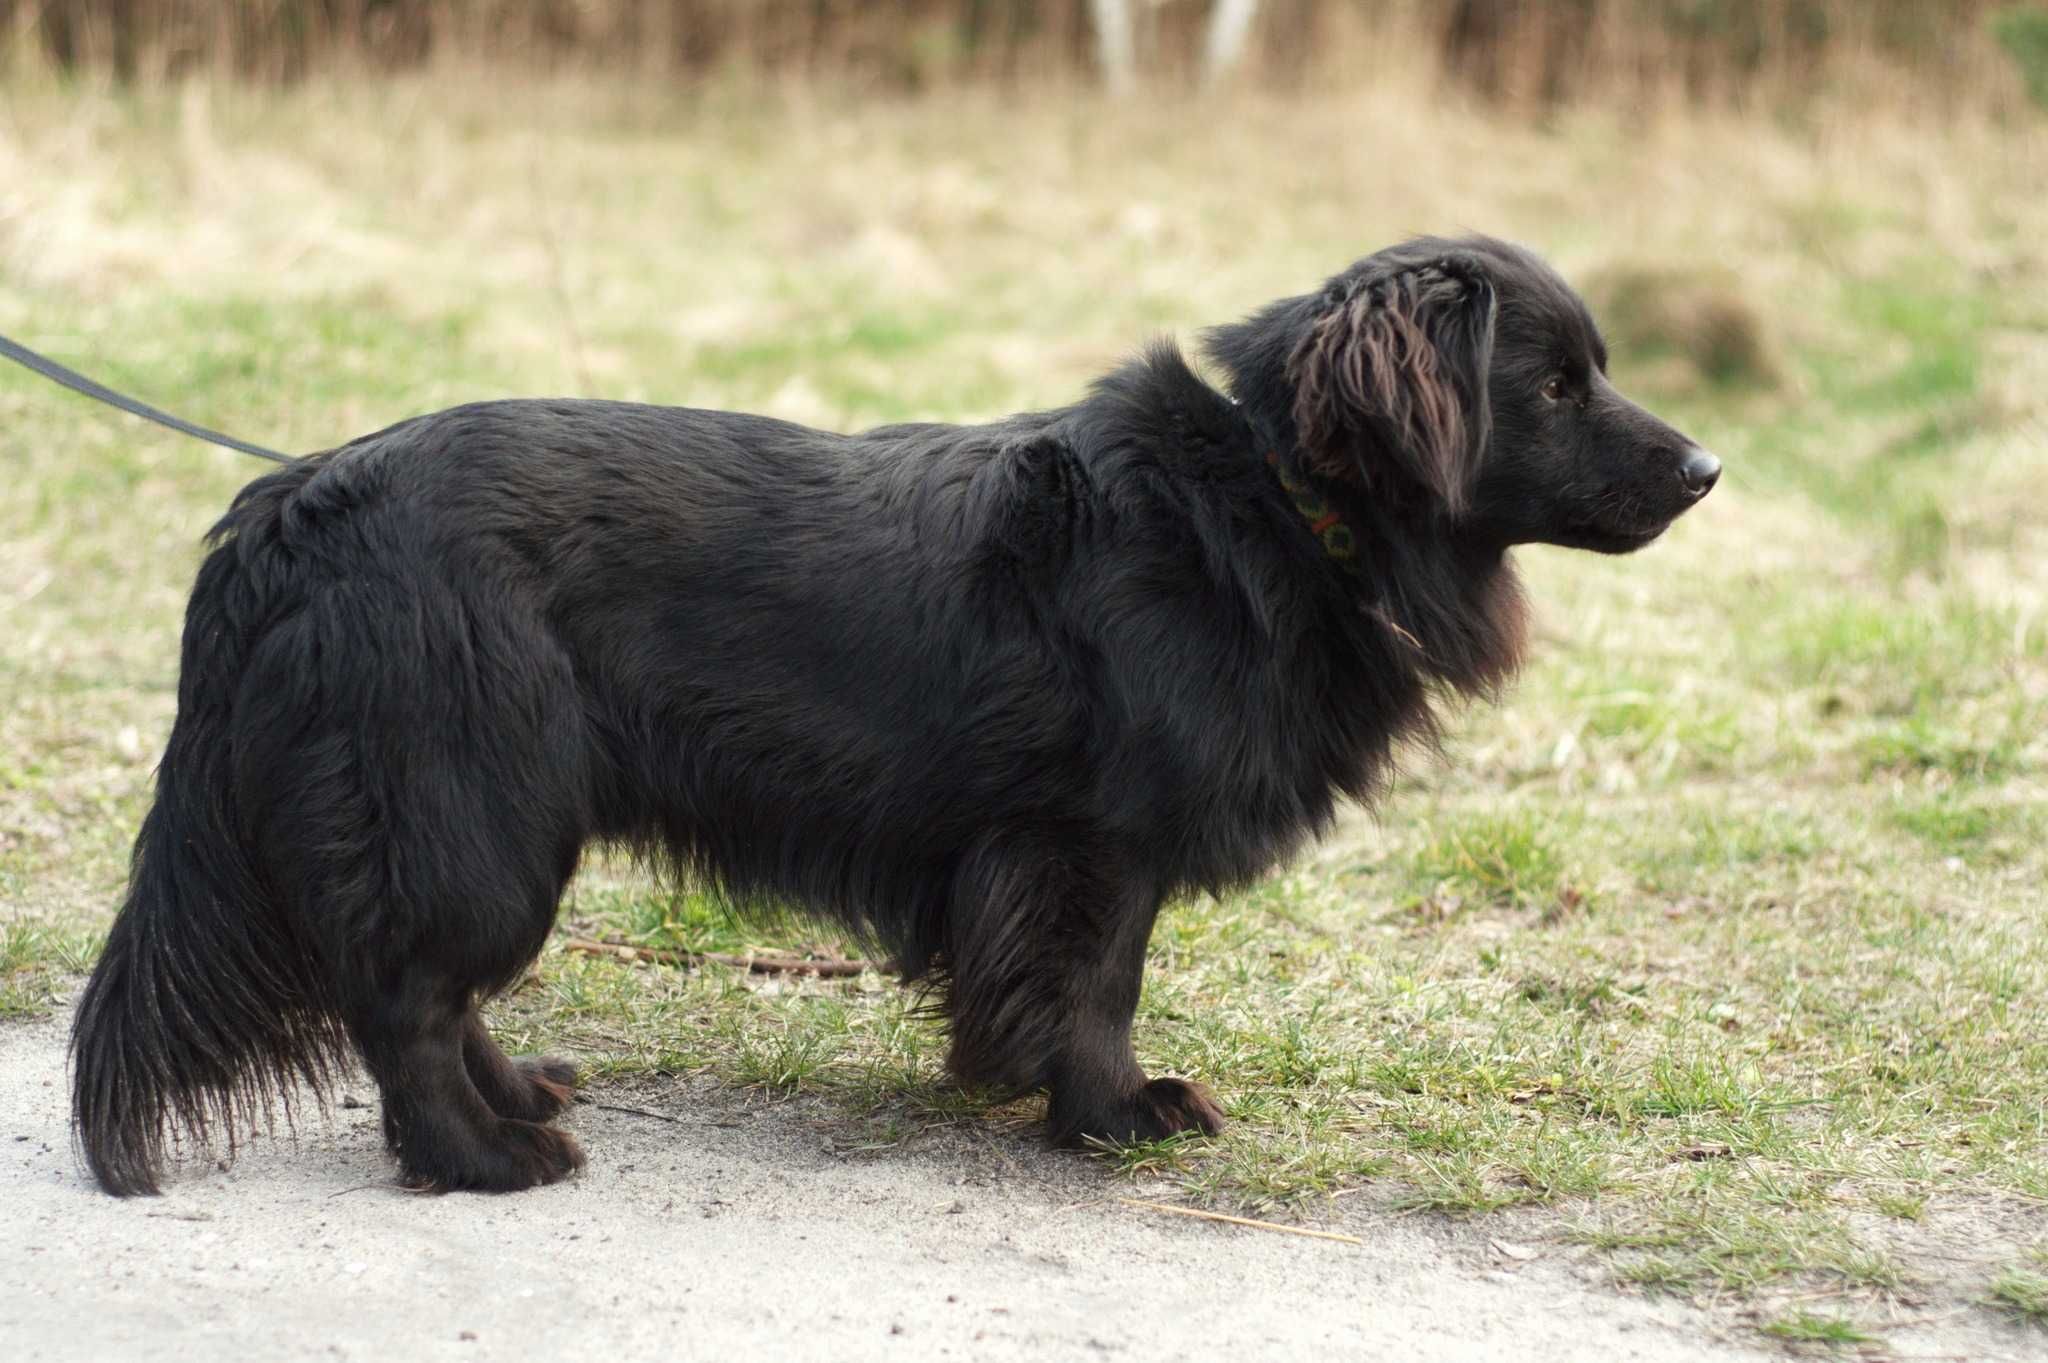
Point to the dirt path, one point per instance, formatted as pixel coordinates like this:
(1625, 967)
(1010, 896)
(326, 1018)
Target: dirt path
(740, 1231)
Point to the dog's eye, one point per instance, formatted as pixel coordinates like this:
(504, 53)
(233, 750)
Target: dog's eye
(1553, 388)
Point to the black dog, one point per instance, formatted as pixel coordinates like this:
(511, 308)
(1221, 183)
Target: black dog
(986, 695)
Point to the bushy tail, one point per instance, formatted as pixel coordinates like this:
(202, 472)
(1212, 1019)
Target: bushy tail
(204, 1011)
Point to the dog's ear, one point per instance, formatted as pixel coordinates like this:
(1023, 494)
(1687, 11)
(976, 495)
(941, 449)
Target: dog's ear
(1390, 377)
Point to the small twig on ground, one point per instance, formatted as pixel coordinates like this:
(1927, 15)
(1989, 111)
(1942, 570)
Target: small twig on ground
(631, 1111)
(759, 965)
(1201, 1215)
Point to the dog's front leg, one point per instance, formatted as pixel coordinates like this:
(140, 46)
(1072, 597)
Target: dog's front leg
(1047, 955)
(1098, 1089)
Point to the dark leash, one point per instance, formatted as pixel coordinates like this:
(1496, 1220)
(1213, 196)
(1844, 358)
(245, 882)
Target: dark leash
(99, 392)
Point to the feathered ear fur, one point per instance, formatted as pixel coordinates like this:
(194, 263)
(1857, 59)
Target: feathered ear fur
(1390, 377)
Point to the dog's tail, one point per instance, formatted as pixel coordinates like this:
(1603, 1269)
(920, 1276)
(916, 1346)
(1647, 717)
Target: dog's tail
(203, 1010)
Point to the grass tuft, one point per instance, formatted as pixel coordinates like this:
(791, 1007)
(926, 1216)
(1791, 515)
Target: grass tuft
(1510, 861)
(2021, 1290)
(36, 961)
(1807, 1328)
(1702, 319)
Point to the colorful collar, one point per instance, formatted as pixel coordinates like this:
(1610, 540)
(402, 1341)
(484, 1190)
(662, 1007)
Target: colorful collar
(1337, 538)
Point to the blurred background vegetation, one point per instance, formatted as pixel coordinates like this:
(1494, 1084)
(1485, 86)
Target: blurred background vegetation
(1511, 51)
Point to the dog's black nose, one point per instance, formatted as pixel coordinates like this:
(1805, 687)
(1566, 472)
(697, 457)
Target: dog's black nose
(1699, 471)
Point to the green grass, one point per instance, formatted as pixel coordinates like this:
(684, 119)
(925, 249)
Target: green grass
(1493, 860)
(1806, 1328)
(2023, 1292)
(36, 962)
(1717, 949)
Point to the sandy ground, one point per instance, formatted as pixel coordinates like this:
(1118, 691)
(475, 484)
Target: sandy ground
(741, 1229)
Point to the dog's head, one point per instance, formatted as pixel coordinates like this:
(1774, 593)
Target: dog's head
(1466, 378)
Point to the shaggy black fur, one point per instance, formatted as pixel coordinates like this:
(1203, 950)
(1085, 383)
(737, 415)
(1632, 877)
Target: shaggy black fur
(988, 696)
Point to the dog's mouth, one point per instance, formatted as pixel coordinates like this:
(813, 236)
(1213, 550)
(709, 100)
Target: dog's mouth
(1612, 539)
(1635, 526)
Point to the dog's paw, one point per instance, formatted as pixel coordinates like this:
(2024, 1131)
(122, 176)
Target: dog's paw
(1161, 1108)
(550, 1087)
(520, 1155)
(530, 1089)
(1171, 1106)
(548, 1154)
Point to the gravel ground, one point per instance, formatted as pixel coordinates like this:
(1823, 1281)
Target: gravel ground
(744, 1229)
(739, 1229)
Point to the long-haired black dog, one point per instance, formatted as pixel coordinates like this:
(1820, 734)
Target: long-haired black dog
(986, 695)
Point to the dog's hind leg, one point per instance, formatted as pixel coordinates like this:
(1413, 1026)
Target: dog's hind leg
(1047, 955)
(459, 1113)
(423, 809)
(412, 1034)
(532, 1088)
